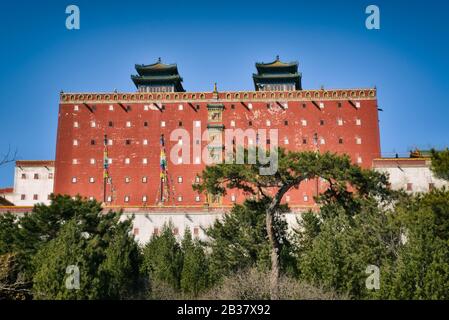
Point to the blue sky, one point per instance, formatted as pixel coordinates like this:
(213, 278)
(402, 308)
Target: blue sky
(219, 41)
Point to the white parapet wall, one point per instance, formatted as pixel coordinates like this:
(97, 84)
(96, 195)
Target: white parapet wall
(145, 225)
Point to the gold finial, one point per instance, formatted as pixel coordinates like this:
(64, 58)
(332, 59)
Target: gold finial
(277, 57)
(159, 60)
(215, 87)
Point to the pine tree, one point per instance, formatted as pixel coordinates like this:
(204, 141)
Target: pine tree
(162, 258)
(195, 273)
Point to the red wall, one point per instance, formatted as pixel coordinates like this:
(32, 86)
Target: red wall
(330, 131)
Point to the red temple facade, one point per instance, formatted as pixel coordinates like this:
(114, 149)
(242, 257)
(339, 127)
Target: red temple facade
(116, 147)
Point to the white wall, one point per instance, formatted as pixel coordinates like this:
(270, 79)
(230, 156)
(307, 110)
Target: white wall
(30, 186)
(420, 177)
(146, 222)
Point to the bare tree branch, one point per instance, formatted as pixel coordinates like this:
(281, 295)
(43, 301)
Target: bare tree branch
(8, 157)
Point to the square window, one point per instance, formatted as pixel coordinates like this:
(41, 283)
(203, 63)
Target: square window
(74, 161)
(285, 122)
(75, 108)
(233, 198)
(197, 124)
(36, 176)
(127, 141)
(359, 160)
(179, 179)
(409, 186)
(92, 124)
(109, 199)
(321, 105)
(340, 122)
(50, 175)
(304, 105)
(92, 142)
(146, 107)
(306, 198)
(357, 105)
(250, 106)
(250, 123)
(144, 179)
(268, 123)
(110, 123)
(162, 124)
(197, 179)
(127, 161)
(145, 142)
(128, 124)
(340, 140)
(144, 198)
(74, 180)
(144, 161)
(126, 198)
(92, 161)
(232, 123)
(110, 160)
(22, 197)
(287, 198)
(358, 122)
(145, 123)
(339, 105)
(179, 198)
(127, 179)
(75, 142)
(321, 122)
(111, 107)
(322, 141)
(286, 141)
(180, 123)
(91, 179)
(110, 142)
(75, 124)
(358, 140)
(24, 176)
(35, 196)
(304, 122)
(197, 198)
(180, 107)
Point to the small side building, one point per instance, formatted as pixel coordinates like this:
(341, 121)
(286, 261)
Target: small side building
(33, 182)
(411, 174)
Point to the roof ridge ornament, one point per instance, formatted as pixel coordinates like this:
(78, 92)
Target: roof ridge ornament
(215, 92)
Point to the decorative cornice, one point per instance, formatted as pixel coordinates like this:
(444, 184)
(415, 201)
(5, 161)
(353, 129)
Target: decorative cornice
(230, 96)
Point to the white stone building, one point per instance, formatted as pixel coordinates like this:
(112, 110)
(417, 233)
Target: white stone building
(410, 174)
(33, 182)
